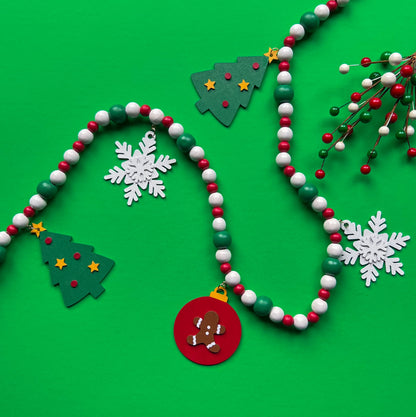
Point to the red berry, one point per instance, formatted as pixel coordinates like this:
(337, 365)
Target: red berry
(285, 122)
(335, 238)
(167, 121)
(12, 230)
(239, 289)
(327, 138)
(217, 212)
(78, 146)
(203, 164)
(313, 317)
(406, 71)
(411, 152)
(283, 146)
(332, 5)
(288, 320)
(29, 211)
(212, 187)
(393, 117)
(350, 130)
(289, 41)
(355, 97)
(328, 213)
(64, 166)
(284, 66)
(320, 173)
(289, 171)
(375, 103)
(397, 90)
(323, 294)
(365, 169)
(145, 110)
(366, 62)
(225, 268)
(92, 127)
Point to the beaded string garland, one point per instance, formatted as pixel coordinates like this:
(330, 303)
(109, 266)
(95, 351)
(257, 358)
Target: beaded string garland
(307, 192)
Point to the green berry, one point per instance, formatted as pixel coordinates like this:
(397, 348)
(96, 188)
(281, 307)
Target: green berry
(118, 114)
(323, 153)
(372, 154)
(413, 79)
(310, 21)
(222, 240)
(263, 306)
(307, 193)
(365, 116)
(401, 135)
(374, 75)
(334, 111)
(343, 128)
(2, 254)
(406, 99)
(331, 266)
(47, 190)
(283, 94)
(185, 142)
(385, 57)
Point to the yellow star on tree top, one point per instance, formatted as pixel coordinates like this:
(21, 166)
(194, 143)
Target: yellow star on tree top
(243, 85)
(60, 263)
(37, 228)
(93, 266)
(210, 85)
(272, 55)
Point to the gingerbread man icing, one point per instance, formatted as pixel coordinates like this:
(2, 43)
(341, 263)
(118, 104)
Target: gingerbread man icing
(209, 326)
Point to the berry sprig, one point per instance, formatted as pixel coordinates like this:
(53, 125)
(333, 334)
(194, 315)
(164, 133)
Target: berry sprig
(399, 83)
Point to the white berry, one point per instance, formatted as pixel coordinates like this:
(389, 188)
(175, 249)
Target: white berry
(353, 107)
(367, 83)
(412, 114)
(383, 131)
(344, 68)
(395, 58)
(388, 79)
(339, 146)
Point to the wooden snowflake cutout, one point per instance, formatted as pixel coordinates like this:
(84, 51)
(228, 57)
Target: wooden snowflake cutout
(372, 248)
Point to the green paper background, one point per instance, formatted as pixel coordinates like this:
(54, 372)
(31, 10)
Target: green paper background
(115, 356)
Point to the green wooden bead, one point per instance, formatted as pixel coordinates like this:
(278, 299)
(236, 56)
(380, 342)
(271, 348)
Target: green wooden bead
(2, 254)
(118, 114)
(185, 142)
(222, 240)
(401, 135)
(47, 190)
(374, 75)
(365, 116)
(323, 153)
(263, 306)
(406, 99)
(334, 111)
(372, 154)
(331, 266)
(307, 193)
(310, 21)
(343, 128)
(283, 93)
(413, 79)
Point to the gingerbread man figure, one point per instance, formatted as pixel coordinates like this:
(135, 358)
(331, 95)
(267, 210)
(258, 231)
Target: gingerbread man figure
(209, 327)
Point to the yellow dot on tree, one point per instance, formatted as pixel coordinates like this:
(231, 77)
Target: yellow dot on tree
(60, 263)
(210, 85)
(243, 85)
(93, 266)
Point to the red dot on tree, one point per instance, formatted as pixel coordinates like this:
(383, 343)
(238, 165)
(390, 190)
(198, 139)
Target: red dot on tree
(227, 76)
(74, 283)
(256, 66)
(48, 240)
(77, 255)
(225, 104)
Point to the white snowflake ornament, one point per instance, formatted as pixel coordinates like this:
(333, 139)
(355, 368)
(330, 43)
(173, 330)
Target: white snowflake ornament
(140, 169)
(372, 248)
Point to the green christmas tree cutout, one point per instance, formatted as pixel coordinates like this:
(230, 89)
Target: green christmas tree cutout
(228, 86)
(74, 267)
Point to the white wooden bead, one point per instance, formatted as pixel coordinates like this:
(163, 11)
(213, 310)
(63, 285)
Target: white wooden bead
(283, 159)
(285, 53)
(319, 306)
(5, 239)
(196, 153)
(133, 110)
(285, 109)
(102, 118)
(344, 68)
(342, 3)
(71, 156)
(37, 202)
(334, 250)
(353, 107)
(216, 200)
(85, 136)
(395, 58)
(284, 77)
(20, 220)
(367, 83)
(410, 130)
(248, 298)
(285, 133)
(276, 314)
(322, 11)
(219, 224)
(412, 114)
(209, 175)
(232, 278)
(156, 116)
(339, 146)
(328, 282)
(332, 225)
(383, 131)
(57, 177)
(223, 255)
(297, 179)
(300, 322)
(388, 79)
(175, 130)
(319, 204)
(297, 31)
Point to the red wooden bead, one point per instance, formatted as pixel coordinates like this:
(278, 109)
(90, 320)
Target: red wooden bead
(289, 171)
(335, 238)
(397, 90)
(393, 117)
(225, 268)
(212, 187)
(366, 62)
(289, 41)
(12, 230)
(288, 320)
(283, 146)
(327, 137)
(320, 173)
(239, 289)
(355, 97)
(323, 294)
(332, 5)
(145, 110)
(92, 127)
(78, 146)
(64, 166)
(406, 71)
(217, 212)
(284, 66)
(375, 103)
(167, 121)
(365, 169)
(29, 211)
(411, 152)
(285, 122)
(313, 317)
(203, 164)
(328, 213)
